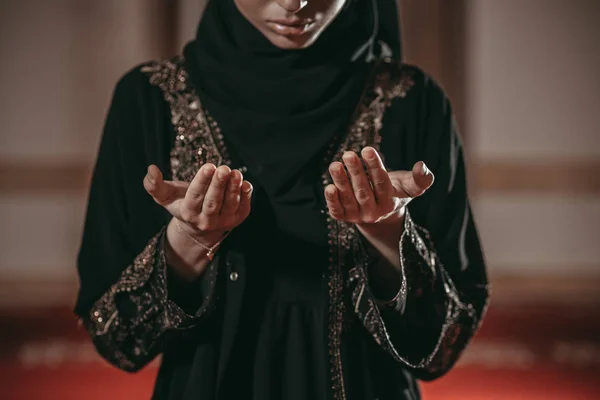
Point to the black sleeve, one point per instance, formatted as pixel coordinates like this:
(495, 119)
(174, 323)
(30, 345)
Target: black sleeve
(128, 298)
(444, 288)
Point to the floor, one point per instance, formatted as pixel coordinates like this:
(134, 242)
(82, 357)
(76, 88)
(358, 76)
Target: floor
(522, 352)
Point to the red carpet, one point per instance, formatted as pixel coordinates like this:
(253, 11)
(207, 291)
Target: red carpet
(534, 353)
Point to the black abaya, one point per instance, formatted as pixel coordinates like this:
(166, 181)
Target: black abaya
(285, 310)
(259, 323)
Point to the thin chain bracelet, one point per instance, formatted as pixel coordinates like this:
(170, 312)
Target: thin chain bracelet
(210, 250)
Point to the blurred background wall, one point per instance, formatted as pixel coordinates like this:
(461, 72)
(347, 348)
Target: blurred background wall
(521, 75)
(534, 135)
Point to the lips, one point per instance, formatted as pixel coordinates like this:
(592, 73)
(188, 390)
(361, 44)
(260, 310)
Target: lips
(291, 27)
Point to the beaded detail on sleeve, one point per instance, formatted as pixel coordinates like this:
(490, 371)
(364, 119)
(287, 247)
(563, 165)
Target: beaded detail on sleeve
(420, 270)
(128, 323)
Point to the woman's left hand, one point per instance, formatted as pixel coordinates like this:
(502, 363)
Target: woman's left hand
(374, 195)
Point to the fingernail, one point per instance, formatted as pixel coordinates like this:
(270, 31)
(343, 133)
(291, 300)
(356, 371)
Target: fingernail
(424, 169)
(208, 171)
(369, 152)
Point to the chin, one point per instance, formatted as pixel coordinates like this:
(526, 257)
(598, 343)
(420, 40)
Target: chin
(292, 42)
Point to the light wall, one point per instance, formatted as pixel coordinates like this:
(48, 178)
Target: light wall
(533, 99)
(188, 15)
(60, 62)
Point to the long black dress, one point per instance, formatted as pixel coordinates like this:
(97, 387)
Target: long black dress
(275, 317)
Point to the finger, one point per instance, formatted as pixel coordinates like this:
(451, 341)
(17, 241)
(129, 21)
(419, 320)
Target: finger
(345, 192)
(413, 183)
(213, 201)
(162, 191)
(336, 210)
(154, 185)
(423, 176)
(245, 199)
(360, 184)
(380, 180)
(194, 197)
(232, 197)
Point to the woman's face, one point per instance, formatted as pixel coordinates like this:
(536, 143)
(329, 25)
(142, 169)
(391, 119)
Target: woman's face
(290, 24)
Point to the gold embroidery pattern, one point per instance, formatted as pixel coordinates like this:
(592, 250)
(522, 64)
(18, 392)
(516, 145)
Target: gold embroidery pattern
(198, 138)
(389, 82)
(127, 323)
(365, 304)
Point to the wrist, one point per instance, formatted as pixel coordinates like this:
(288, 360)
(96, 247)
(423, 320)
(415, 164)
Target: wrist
(184, 256)
(389, 228)
(206, 238)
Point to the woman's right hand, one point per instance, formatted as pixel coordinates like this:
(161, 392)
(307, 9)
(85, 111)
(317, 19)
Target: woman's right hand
(215, 201)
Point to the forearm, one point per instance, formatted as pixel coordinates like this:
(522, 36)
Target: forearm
(383, 239)
(187, 259)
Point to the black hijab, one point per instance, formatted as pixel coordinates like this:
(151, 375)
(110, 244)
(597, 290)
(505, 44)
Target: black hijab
(280, 109)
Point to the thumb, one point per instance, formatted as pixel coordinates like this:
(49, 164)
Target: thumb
(156, 186)
(412, 183)
(422, 176)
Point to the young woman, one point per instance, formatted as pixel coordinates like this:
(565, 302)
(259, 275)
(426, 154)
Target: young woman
(263, 212)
